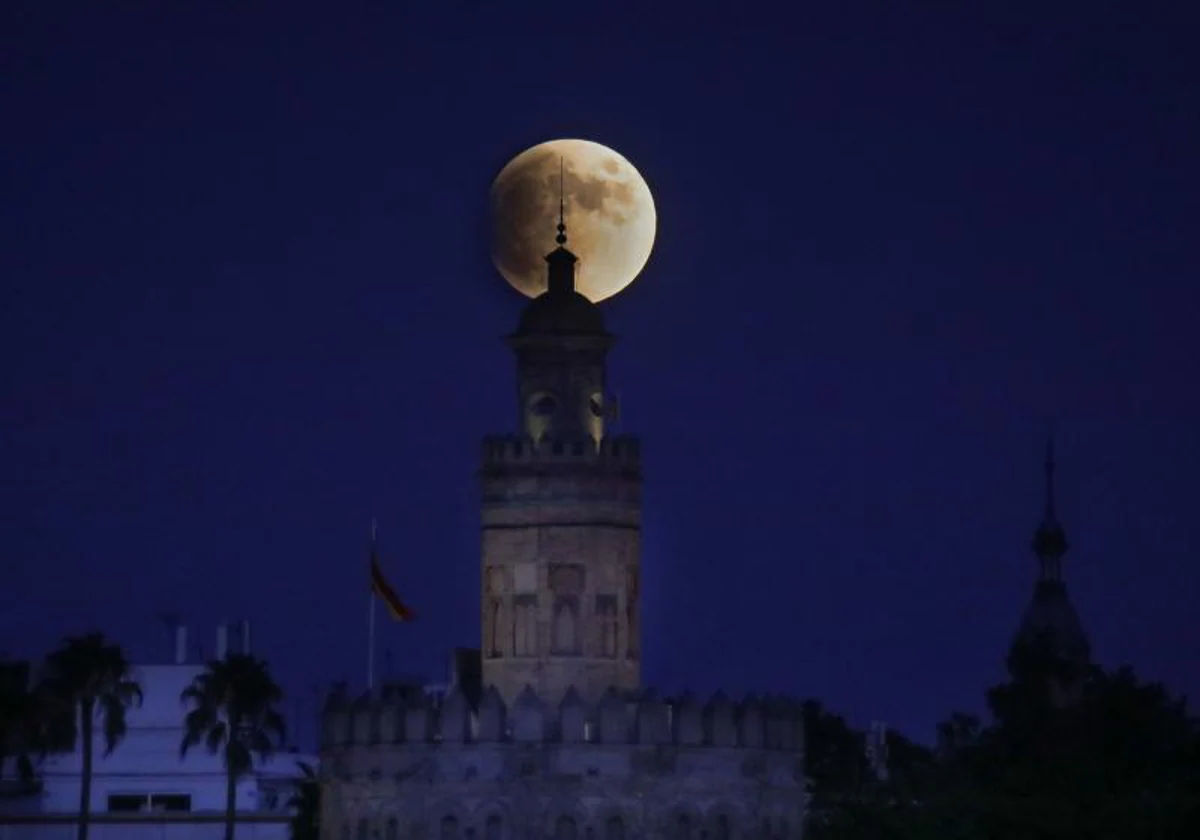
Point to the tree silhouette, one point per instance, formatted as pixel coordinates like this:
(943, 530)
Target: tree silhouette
(306, 805)
(1120, 760)
(90, 675)
(20, 720)
(234, 712)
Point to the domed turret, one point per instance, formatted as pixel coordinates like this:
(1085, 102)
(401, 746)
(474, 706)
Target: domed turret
(1050, 626)
(561, 313)
(561, 310)
(561, 345)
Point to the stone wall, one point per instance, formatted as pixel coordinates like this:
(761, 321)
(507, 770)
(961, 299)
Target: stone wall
(395, 767)
(561, 562)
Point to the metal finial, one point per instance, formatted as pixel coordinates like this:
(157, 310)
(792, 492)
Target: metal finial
(561, 239)
(1050, 476)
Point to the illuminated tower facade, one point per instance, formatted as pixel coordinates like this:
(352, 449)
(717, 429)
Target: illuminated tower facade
(1051, 642)
(561, 511)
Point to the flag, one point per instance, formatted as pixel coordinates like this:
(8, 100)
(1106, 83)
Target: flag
(380, 587)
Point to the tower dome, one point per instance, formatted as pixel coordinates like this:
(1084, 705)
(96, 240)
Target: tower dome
(561, 309)
(561, 314)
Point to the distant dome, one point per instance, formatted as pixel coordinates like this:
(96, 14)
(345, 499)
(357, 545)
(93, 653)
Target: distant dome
(561, 313)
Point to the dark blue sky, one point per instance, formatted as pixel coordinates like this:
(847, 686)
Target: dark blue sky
(247, 306)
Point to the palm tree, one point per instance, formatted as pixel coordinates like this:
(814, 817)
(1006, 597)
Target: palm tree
(306, 805)
(32, 725)
(91, 675)
(18, 721)
(234, 712)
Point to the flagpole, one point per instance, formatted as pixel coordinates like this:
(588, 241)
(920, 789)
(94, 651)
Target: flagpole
(371, 644)
(371, 618)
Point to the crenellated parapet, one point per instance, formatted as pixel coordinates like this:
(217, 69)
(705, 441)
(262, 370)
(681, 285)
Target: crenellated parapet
(386, 719)
(632, 766)
(620, 454)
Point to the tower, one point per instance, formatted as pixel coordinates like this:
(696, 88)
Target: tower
(1051, 635)
(560, 560)
(561, 510)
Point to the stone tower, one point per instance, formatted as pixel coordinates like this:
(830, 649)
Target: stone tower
(561, 511)
(564, 742)
(1051, 635)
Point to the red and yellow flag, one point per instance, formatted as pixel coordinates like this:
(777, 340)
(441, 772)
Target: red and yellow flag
(380, 586)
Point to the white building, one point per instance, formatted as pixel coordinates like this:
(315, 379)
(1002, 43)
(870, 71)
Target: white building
(144, 789)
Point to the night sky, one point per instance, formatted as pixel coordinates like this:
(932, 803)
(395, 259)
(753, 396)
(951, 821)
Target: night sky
(247, 306)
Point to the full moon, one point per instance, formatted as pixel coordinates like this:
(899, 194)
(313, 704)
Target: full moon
(609, 214)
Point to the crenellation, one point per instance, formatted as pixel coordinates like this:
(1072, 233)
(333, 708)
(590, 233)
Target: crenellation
(796, 717)
(362, 716)
(493, 716)
(651, 720)
(688, 721)
(720, 721)
(779, 725)
(614, 720)
(454, 720)
(618, 452)
(418, 720)
(391, 719)
(750, 722)
(334, 720)
(371, 720)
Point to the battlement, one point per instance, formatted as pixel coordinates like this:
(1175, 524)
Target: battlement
(620, 452)
(394, 718)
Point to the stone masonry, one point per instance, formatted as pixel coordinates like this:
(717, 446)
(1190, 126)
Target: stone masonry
(561, 550)
(405, 767)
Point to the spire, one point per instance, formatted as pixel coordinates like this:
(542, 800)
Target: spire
(1050, 541)
(1051, 647)
(1049, 466)
(561, 262)
(561, 239)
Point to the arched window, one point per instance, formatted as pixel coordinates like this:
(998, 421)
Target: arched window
(606, 613)
(363, 831)
(564, 828)
(392, 832)
(525, 626)
(566, 620)
(683, 827)
(449, 828)
(614, 829)
(495, 628)
(721, 828)
(494, 828)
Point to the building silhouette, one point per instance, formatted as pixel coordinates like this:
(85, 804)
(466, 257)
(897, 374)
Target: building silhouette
(1050, 644)
(146, 790)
